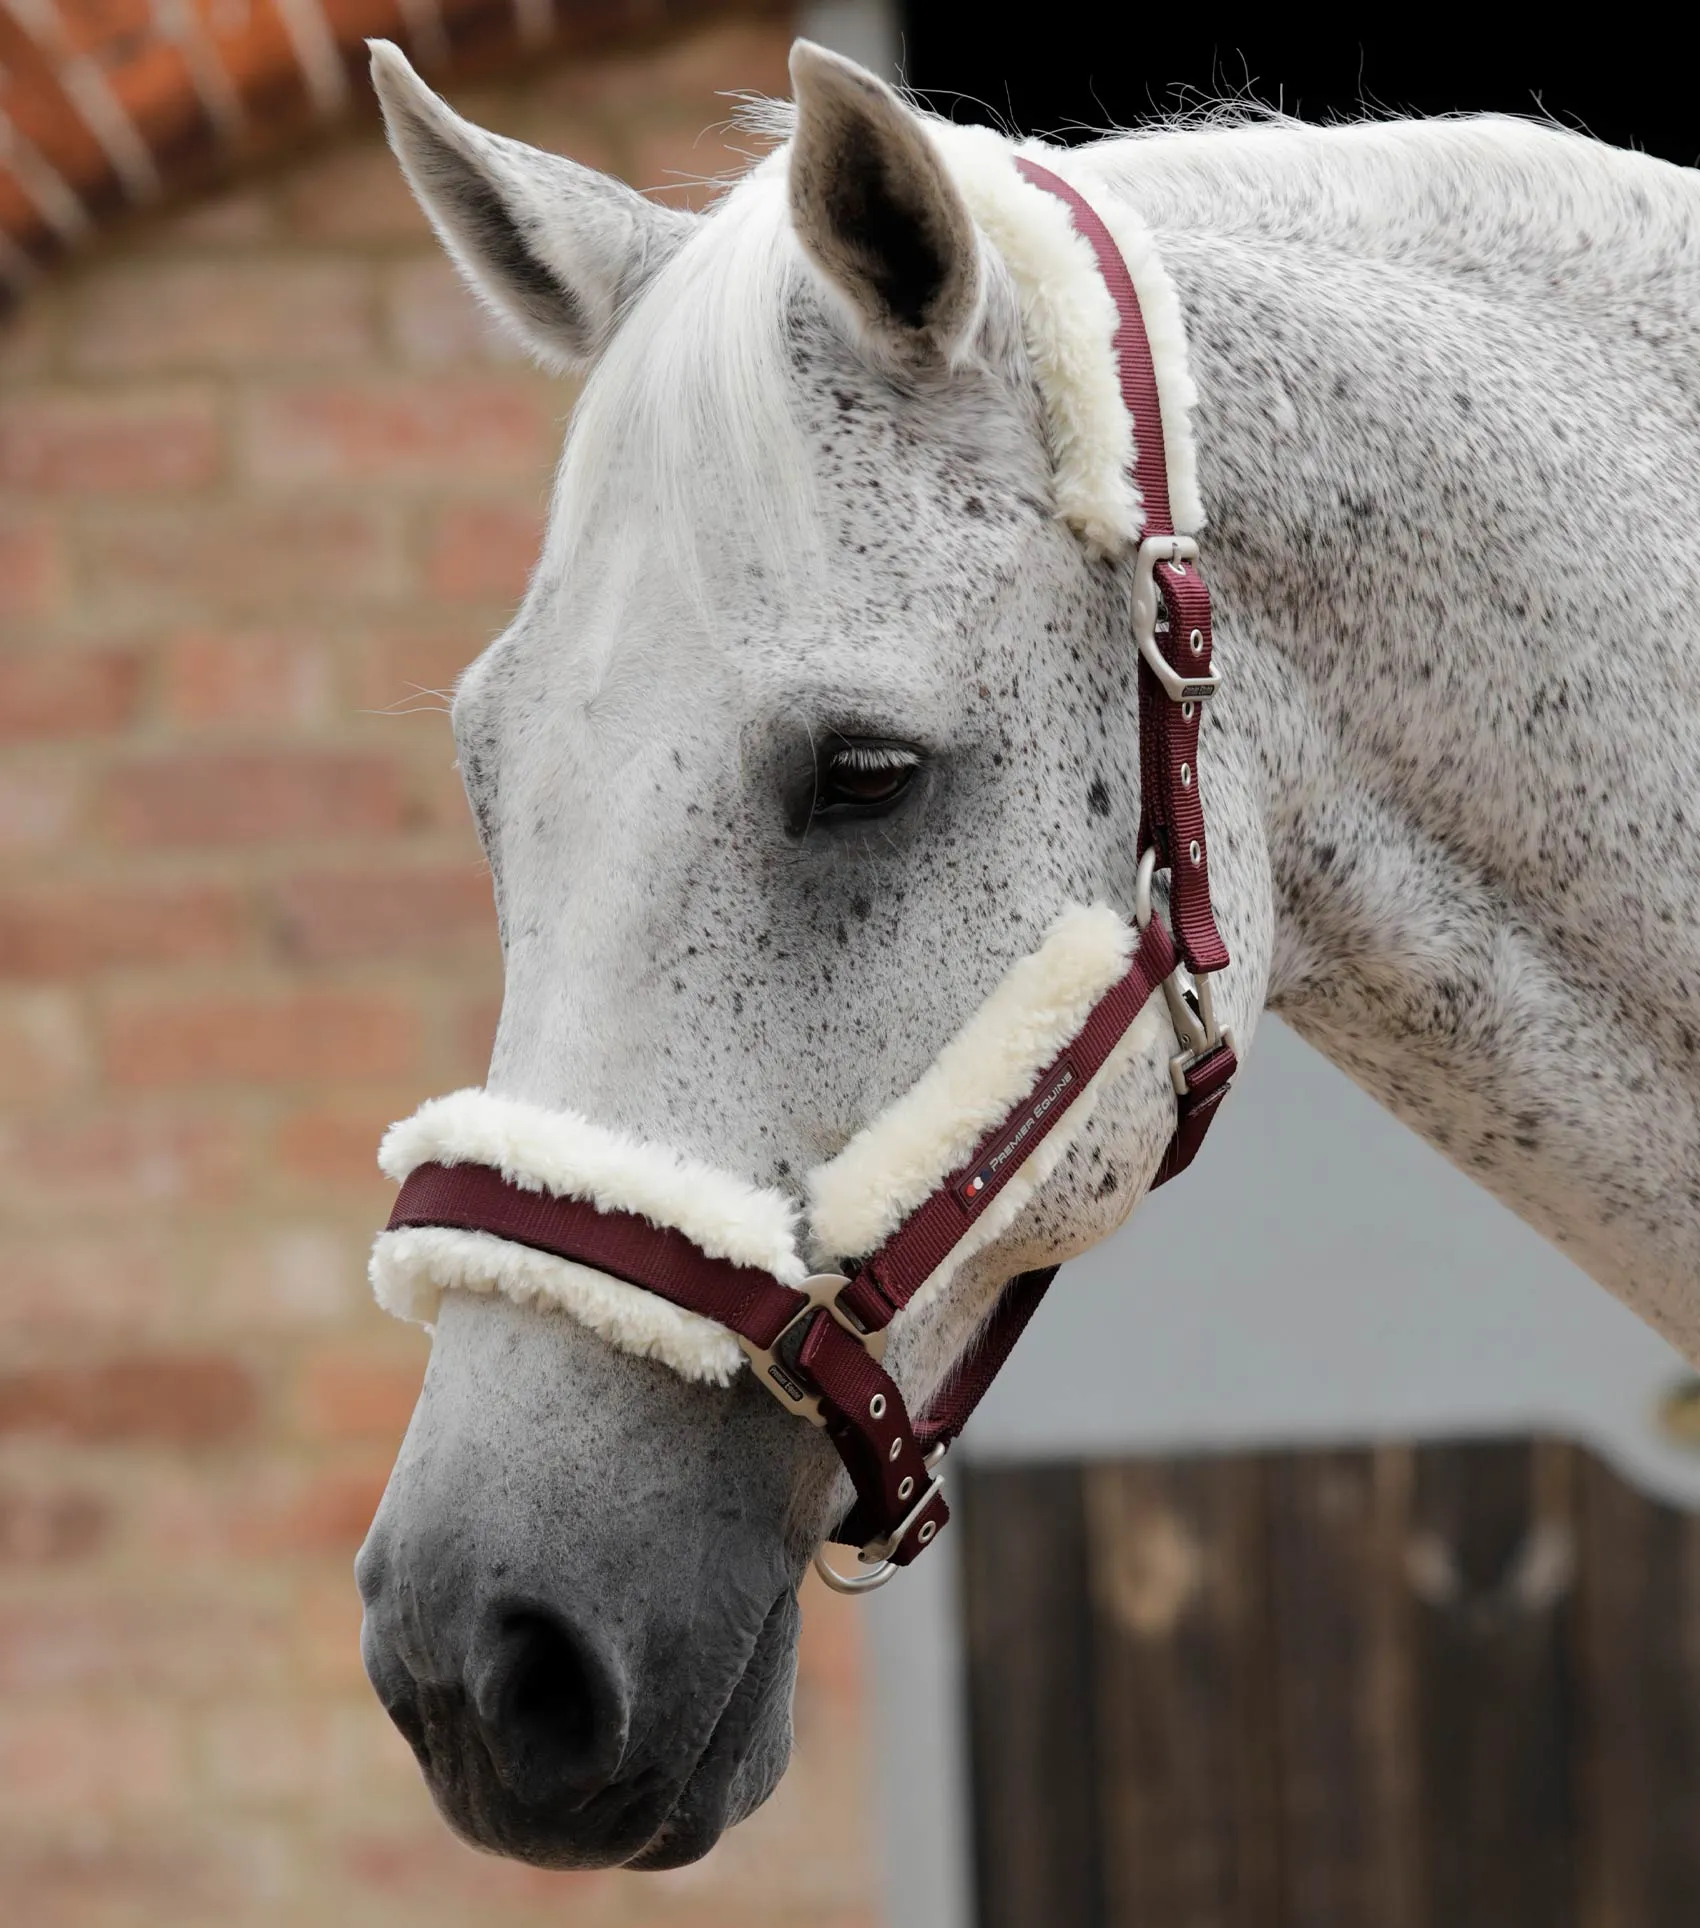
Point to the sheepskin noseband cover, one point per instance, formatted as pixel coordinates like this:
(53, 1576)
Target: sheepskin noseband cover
(855, 1200)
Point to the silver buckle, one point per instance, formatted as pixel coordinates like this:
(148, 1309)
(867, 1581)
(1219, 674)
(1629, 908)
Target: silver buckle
(1192, 1005)
(877, 1553)
(778, 1376)
(1153, 550)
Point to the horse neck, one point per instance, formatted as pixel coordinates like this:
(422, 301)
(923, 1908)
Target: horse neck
(1453, 557)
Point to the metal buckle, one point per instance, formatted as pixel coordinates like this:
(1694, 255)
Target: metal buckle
(1153, 550)
(877, 1553)
(778, 1375)
(1192, 1005)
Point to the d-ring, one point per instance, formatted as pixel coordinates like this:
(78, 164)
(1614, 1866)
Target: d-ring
(853, 1582)
(881, 1569)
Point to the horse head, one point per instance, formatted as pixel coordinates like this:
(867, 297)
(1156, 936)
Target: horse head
(817, 712)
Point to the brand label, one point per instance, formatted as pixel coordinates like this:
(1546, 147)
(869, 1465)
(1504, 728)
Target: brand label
(785, 1382)
(1006, 1152)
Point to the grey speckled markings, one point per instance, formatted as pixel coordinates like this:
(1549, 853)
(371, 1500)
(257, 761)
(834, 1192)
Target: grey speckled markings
(1448, 430)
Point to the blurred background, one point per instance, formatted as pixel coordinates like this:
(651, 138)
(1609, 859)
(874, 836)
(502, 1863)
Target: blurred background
(1315, 1619)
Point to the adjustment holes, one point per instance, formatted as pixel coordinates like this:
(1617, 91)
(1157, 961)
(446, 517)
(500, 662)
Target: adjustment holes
(1195, 642)
(928, 1529)
(1186, 711)
(896, 1448)
(1186, 776)
(906, 1486)
(1195, 852)
(876, 1406)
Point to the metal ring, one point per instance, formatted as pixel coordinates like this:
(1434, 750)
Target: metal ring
(906, 1486)
(1186, 776)
(876, 1406)
(1194, 850)
(1196, 639)
(855, 1582)
(896, 1448)
(1142, 888)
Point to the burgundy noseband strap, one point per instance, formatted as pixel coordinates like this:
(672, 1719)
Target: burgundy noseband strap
(818, 1349)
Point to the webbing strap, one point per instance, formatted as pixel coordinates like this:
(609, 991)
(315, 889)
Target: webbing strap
(1172, 809)
(904, 1263)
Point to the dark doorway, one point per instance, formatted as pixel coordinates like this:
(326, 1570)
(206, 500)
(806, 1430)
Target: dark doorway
(1118, 68)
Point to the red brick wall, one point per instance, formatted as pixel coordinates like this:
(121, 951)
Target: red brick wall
(266, 484)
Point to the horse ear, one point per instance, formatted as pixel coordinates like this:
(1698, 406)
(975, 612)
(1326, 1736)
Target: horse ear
(876, 211)
(557, 251)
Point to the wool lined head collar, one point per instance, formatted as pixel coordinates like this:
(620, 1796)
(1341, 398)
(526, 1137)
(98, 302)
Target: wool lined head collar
(1069, 321)
(855, 1200)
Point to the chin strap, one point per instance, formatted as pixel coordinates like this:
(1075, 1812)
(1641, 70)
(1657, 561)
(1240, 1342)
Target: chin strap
(819, 1348)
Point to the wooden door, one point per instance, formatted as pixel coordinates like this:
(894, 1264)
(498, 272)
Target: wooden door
(1448, 1686)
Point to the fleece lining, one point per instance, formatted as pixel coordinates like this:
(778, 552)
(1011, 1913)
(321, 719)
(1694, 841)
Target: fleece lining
(1069, 320)
(855, 1199)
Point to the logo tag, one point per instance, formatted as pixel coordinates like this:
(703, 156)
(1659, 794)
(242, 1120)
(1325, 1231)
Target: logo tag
(983, 1182)
(785, 1382)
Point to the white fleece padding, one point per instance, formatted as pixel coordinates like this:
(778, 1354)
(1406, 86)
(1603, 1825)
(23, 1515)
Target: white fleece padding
(412, 1269)
(1069, 320)
(564, 1153)
(1002, 1213)
(858, 1198)
(569, 1156)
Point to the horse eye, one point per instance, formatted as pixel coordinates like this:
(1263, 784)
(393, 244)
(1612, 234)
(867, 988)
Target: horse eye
(861, 779)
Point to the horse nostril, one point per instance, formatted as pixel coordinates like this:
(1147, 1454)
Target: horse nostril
(547, 1695)
(552, 1714)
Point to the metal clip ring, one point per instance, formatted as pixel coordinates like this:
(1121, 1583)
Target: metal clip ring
(882, 1566)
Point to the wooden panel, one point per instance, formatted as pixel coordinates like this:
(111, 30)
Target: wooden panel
(1448, 1687)
(1341, 1648)
(1640, 1639)
(1033, 1698)
(1186, 1729)
(1491, 1561)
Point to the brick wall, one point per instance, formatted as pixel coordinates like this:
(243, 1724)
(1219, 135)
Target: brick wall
(266, 484)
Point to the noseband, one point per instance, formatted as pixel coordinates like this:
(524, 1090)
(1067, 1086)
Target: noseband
(817, 1345)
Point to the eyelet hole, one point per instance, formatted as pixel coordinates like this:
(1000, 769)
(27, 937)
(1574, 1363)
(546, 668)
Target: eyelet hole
(906, 1486)
(928, 1529)
(896, 1448)
(1196, 639)
(876, 1406)
(1194, 852)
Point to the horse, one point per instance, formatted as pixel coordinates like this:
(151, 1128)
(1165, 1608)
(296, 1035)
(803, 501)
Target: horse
(818, 712)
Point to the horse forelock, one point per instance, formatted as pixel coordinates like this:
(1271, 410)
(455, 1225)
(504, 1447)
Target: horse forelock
(691, 410)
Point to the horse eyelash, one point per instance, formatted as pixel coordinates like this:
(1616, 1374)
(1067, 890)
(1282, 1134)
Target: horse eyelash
(874, 756)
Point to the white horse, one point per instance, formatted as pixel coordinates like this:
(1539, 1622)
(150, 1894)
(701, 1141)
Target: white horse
(818, 710)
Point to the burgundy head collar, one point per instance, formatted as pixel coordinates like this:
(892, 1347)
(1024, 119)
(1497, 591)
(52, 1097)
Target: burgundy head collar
(817, 1343)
